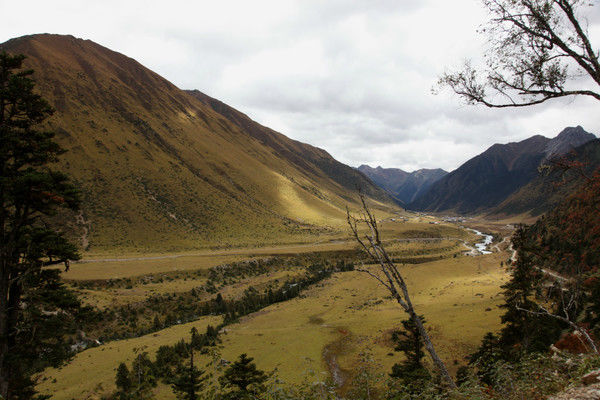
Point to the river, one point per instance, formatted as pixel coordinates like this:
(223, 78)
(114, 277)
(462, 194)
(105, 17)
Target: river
(482, 246)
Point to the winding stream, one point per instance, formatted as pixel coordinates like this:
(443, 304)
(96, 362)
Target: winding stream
(482, 246)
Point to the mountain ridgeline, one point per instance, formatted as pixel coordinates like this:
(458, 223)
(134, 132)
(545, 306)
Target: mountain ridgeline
(505, 178)
(404, 186)
(161, 168)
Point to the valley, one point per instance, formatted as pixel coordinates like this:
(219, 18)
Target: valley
(317, 336)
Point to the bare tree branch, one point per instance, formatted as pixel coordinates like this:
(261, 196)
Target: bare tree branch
(395, 282)
(534, 45)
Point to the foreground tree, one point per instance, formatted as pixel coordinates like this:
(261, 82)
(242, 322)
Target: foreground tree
(29, 191)
(409, 341)
(243, 379)
(189, 380)
(123, 382)
(391, 278)
(538, 49)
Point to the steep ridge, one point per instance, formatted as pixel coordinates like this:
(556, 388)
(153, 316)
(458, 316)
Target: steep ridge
(304, 156)
(160, 169)
(404, 186)
(488, 179)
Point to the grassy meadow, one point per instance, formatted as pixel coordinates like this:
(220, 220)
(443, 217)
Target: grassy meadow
(310, 337)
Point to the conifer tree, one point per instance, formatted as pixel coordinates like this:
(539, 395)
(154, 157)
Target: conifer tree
(486, 357)
(188, 380)
(143, 377)
(409, 341)
(243, 379)
(524, 332)
(30, 191)
(123, 382)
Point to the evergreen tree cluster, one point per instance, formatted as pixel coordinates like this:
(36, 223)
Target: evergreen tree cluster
(175, 366)
(39, 316)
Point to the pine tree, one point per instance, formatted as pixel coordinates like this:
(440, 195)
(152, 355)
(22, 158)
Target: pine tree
(30, 192)
(143, 377)
(409, 342)
(243, 379)
(188, 381)
(524, 332)
(486, 357)
(123, 382)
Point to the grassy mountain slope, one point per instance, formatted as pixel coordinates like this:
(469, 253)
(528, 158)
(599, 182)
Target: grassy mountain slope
(160, 169)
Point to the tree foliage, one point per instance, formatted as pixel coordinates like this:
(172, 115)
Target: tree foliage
(33, 305)
(243, 379)
(188, 380)
(538, 50)
(409, 341)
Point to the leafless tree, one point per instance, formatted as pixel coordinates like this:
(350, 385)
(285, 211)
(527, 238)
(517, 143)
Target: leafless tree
(537, 51)
(392, 279)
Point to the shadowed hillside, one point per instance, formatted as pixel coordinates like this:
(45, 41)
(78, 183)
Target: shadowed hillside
(163, 169)
(550, 187)
(488, 179)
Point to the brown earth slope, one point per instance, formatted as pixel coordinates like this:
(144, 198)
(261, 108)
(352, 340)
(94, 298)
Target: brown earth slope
(164, 169)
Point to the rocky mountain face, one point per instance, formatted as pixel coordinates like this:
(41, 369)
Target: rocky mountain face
(161, 168)
(404, 186)
(488, 179)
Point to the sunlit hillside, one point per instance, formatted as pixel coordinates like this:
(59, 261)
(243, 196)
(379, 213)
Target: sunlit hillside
(159, 169)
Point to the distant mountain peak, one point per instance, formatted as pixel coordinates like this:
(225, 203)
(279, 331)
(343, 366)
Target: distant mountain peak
(405, 186)
(566, 140)
(488, 179)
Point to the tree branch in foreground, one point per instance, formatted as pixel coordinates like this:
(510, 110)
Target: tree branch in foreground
(393, 281)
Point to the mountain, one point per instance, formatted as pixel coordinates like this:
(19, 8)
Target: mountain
(552, 186)
(567, 140)
(165, 169)
(488, 179)
(404, 186)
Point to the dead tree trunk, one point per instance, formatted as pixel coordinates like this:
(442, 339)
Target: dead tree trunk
(393, 281)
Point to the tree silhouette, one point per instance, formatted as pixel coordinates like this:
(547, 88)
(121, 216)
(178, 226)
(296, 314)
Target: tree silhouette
(30, 191)
(243, 378)
(188, 380)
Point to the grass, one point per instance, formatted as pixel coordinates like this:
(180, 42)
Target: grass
(129, 265)
(137, 267)
(453, 294)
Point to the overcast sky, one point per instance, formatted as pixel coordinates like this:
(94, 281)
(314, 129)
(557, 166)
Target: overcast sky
(352, 77)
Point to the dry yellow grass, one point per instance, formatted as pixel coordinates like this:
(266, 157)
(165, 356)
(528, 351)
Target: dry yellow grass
(136, 264)
(453, 295)
(136, 267)
(105, 298)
